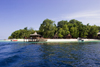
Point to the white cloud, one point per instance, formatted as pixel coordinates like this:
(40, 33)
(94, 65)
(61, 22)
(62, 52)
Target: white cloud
(92, 17)
(85, 14)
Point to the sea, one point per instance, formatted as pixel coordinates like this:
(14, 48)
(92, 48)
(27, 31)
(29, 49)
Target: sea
(32, 54)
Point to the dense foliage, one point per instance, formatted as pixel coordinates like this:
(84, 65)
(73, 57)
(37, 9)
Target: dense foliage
(22, 33)
(48, 29)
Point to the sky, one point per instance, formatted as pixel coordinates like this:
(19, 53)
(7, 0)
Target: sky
(18, 14)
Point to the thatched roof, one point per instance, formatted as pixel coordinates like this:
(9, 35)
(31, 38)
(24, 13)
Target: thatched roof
(69, 36)
(56, 35)
(35, 34)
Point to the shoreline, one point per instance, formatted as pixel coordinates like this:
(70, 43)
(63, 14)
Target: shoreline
(52, 40)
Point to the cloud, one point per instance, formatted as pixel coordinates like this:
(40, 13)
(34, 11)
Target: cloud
(92, 17)
(85, 14)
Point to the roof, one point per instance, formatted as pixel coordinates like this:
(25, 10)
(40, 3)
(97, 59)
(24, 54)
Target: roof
(56, 35)
(68, 36)
(35, 34)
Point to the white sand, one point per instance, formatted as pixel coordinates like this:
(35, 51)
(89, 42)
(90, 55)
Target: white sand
(54, 40)
(70, 40)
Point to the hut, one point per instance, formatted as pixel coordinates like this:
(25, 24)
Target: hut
(56, 36)
(35, 36)
(98, 34)
(68, 36)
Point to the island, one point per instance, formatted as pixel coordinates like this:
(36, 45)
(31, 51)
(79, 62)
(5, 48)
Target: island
(63, 31)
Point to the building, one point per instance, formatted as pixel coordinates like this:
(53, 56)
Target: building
(35, 36)
(98, 34)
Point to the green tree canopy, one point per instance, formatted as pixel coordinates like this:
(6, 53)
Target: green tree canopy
(48, 28)
(74, 32)
(62, 23)
(22, 33)
(93, 31)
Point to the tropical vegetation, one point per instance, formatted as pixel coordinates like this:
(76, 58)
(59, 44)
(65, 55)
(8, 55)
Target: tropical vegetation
(48, 29)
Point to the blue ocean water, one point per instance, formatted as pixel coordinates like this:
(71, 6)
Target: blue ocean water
(24, 54)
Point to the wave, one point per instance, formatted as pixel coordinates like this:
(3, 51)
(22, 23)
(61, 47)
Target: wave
(9, 60)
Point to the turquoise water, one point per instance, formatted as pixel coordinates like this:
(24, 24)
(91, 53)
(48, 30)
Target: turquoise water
(26, 54)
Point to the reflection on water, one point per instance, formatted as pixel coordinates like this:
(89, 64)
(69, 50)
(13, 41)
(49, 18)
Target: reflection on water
(14, 54)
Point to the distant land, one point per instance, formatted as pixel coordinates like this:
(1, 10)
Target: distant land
(63, 29)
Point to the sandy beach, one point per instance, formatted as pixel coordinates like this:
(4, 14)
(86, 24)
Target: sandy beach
(54, 40)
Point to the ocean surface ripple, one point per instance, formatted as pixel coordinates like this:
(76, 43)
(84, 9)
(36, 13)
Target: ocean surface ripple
(16, 54)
